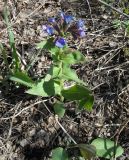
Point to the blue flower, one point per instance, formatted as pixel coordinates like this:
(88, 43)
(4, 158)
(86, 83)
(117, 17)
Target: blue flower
(48, 29)
(80, 24)
(60, 42)
(66, 18)
(51, 20)
(62, 14)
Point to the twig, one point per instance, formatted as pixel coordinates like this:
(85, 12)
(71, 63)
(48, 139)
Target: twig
(112, 68)
(56, 118)
(24, 109)
(125, 123)
(11, 122)
(123, 90)
(97, 86)
(90, 12)
(117, 10)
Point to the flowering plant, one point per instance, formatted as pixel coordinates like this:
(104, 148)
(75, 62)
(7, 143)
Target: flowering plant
(60, 81)
(62, 26)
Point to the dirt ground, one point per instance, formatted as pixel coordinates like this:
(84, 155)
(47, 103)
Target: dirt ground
(28, 128)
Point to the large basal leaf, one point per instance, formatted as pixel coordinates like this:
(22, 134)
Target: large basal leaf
(87, 103)
(73, 57)
(22, 78)
(106, 148)
(52, 87)
(59, 109)
(38, 90)
(87, 151)
(59, 154)
(45, 88)
(76, 92)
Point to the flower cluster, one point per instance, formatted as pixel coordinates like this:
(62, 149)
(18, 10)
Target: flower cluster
(62, 26)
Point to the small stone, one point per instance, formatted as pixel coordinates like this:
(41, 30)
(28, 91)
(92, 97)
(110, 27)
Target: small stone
(40, 65)
(32, 132)
(24, 142)
(2, 157)
(9, 144)
(112, 44)
(41, 133)
(105, 16)
(42, 58)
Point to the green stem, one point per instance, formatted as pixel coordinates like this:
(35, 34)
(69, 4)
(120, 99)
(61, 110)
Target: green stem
(61, 70)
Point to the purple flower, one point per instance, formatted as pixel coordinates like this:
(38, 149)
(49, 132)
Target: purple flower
(44, 27)
(60, 42)
(77, 33)
(48, 29)
(61, 26)
(81, 33)
(54, 24)
(80, 24)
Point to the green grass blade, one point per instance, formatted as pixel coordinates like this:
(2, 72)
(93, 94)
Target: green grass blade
(16, 61)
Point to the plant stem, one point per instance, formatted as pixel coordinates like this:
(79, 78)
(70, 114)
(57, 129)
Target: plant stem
(61, 70)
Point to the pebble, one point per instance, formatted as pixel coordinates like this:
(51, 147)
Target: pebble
(24, 142)
(112, 44)
(32, 132)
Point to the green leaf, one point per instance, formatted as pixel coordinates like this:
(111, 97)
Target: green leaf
(87, 103)
(73, 57)
(45, 88)
(52, 87)
(48, 45)
(41, 45)
(16, 62)
(107, 148)
(59, 109)
(11, 37)
(22, 78)
(125, 24)
(69, 74)
(126, 50)
(54, 71)
(126, 10)
(116, 23)
(59, 154)
(87, 151)
(76, 92)
(38, 89)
